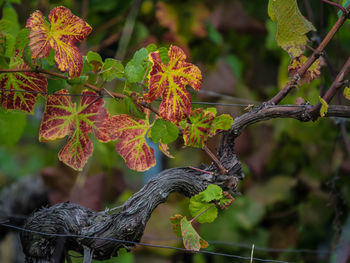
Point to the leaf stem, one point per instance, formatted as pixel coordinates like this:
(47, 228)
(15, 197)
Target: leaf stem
(215, 160)
(201, 213)
(337, 5)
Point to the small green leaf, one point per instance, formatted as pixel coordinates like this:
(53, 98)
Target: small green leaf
(112, 69)
(134, 72)
(163, 52)
(197, 206)
(221, 123)
(347, 93)
(213, 192)
(190, 237)
(151, 48)
(93, 56)
(324, 107)
(94, 60)
(140, 56)
(164, 131)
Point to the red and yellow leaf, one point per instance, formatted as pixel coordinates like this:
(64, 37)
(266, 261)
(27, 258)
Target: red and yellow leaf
(226, 200)
(18, 91)
(175, 222)
(313, 72)
(62, 117)
(169, 82)
(197, 131)
(64, 30)
(131, 144)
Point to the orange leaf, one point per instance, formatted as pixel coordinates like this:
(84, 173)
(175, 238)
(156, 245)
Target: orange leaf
(169, 82)
(64, 30)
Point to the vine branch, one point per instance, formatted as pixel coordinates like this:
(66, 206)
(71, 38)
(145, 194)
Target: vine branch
(315, 55)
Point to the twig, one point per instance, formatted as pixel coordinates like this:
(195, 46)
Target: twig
(215, 160)
(345, 12)
(337, 84)
(58, 75)
(315, 55)
(199, 170)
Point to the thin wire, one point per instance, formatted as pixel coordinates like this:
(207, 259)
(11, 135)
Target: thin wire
(110, 97)
(140, 244)
(248, 246)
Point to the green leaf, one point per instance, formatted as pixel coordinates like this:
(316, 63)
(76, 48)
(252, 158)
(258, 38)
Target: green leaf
(10, 14)
(347, 93)
(190, 237)
(95, 60)
(151, 48)
(140, 56)
(221, 123)
(27, 57)
(213, 192)
(12, 126)
(51, 57)
(292, 26)
(10, 42)
(134, 110)
(22, 39)
(164, 131)
(197, 206)
(93, 56)
(324, 107)
(134, 72)
(112, 69)
(163, 53)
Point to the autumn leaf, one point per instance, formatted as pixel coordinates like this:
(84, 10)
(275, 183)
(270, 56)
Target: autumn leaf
(203, 124)
(292, 26)
(175, 222)
(131, 144)
(169, 82)
(63, 31)
(226, 200)
(312, 72)
(197, 132)
(62, 117)
(19, 90)
(190, 237)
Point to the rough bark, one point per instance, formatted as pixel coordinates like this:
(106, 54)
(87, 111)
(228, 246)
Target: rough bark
(128, 221)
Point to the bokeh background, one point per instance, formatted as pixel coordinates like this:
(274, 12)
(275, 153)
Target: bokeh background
(295, 198)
